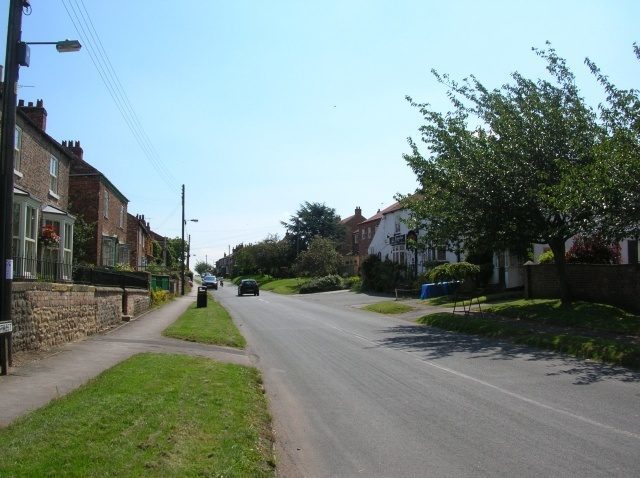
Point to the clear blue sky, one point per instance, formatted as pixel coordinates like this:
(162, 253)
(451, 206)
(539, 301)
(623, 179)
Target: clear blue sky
(258, 106)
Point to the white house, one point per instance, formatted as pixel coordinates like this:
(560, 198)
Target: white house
(389, 241)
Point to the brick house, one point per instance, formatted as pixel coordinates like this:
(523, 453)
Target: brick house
(140, 242)
(42, 224)
(348, 248)
(363, 234)
(99, 202)
(162, 242)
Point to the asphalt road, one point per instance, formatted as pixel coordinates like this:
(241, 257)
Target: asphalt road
(354, 393)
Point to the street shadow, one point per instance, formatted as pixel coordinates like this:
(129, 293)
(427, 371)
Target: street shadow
(433, 344)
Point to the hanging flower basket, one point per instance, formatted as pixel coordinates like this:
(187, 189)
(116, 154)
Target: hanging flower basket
(49, 237)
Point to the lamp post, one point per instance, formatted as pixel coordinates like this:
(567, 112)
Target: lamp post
(182, 252)
(17, 54)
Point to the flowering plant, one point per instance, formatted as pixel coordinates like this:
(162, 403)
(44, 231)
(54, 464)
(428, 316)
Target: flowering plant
(49, 236)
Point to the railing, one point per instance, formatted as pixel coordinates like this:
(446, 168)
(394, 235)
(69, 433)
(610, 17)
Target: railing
(107, 277)
(29, 269)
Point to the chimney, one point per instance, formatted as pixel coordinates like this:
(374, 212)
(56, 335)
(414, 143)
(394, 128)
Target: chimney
(73, 148)
(37, 114)
(358, 211)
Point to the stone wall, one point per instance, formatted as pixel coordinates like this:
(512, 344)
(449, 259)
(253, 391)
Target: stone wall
(136, 301)
(609, 284)
(46, 314)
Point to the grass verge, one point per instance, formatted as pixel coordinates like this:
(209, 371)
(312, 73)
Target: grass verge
(388, 307)
(209, 325)
(284, 286)
(595, 348)
(152, 415)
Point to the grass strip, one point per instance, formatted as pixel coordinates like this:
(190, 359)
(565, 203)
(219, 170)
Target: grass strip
(594, 348)
(388, 307)
(209, 325)
(284, 286)
(152, 415)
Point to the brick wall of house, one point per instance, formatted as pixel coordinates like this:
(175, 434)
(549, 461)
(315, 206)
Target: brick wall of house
(35, 160)
(110, 226)
(364, 238)
(133, 239)
(610, 284)
(350, 224)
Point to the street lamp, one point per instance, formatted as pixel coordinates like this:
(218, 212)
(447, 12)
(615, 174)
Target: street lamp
(17, 54)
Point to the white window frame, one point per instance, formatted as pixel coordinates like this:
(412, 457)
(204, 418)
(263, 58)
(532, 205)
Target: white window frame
(17, 151)
(122, 214)
(54, 169)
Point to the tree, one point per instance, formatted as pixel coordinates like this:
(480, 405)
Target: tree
(532, 169)
(201, 267)
(320, 259)
(311, 220)
(84, 234)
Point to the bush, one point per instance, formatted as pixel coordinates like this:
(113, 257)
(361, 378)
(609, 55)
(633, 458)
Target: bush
(454, 271)
(546, 257)
(322, 284)
(159, 296)
(379, 276)
(593, 250)
(353, 283)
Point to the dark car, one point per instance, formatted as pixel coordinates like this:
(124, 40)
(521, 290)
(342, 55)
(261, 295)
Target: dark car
(210, 282)
(248, 286)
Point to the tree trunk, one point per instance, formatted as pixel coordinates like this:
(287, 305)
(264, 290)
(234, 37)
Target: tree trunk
(557, 247)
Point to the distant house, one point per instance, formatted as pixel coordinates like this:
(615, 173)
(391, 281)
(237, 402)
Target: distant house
(389, 241)
(348, 248)
(139, 241)
(99, 202)
(43, 227)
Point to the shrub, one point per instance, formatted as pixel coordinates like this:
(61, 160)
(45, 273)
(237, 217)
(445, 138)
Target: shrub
(379, 276)
(454, 271)
(353, 283)
(546, 257)
(593, 250)
(159, 296)
(322, 284)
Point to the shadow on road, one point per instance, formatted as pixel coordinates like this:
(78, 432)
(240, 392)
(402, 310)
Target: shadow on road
(434, 344)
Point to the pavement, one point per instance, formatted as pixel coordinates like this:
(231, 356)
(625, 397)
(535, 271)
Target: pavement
(39, 377)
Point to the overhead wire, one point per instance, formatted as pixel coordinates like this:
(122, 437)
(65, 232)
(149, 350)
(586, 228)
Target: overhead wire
(85, 28)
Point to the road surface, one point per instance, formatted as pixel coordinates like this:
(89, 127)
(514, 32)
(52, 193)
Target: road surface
(354, 393)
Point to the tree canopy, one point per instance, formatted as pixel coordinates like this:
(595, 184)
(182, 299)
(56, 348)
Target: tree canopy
(526, 162)
(311, 220)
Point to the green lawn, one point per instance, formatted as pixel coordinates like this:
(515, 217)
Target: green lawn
(209, 325)
(581, 329)
(152, 415)
(388, 307)
(284, 286)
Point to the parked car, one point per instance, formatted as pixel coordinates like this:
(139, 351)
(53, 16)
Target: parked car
(248, 286)
(210, 281)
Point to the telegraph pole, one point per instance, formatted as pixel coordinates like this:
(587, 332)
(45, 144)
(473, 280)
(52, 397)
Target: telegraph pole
(182, 248)
(9, 100)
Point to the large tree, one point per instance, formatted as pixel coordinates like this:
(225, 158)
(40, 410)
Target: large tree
(518, 164)
(311, 220)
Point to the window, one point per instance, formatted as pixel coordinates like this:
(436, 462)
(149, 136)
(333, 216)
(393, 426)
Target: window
(123, 254)
(397, 224)
(106, 204)
(122, 217)
(108, 251)
(17, 150)
(25, 237)
(369, 232)
(53, 173)
(67, 250)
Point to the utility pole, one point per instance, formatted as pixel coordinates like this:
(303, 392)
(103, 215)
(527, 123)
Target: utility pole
(188, 252)
(9, 100)
(182, 248)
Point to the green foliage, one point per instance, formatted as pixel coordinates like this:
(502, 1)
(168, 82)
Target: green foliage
(320, 259)
(124, 268)
(458, 271)
(593, 250)
(546, 257)
(174, 252)
(535, 152)
(322, 284)
(353, 283)
(379, 276)
(310, 221)
(159, 297)
(84, 234)
(202, 267)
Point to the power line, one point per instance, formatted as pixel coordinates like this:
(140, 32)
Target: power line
(85, 28)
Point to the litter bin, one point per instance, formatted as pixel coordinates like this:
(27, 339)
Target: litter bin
(202, 297)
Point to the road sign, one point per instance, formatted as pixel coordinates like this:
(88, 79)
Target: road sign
(6, 327)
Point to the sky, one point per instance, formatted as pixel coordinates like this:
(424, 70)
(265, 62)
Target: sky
(259, 106)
